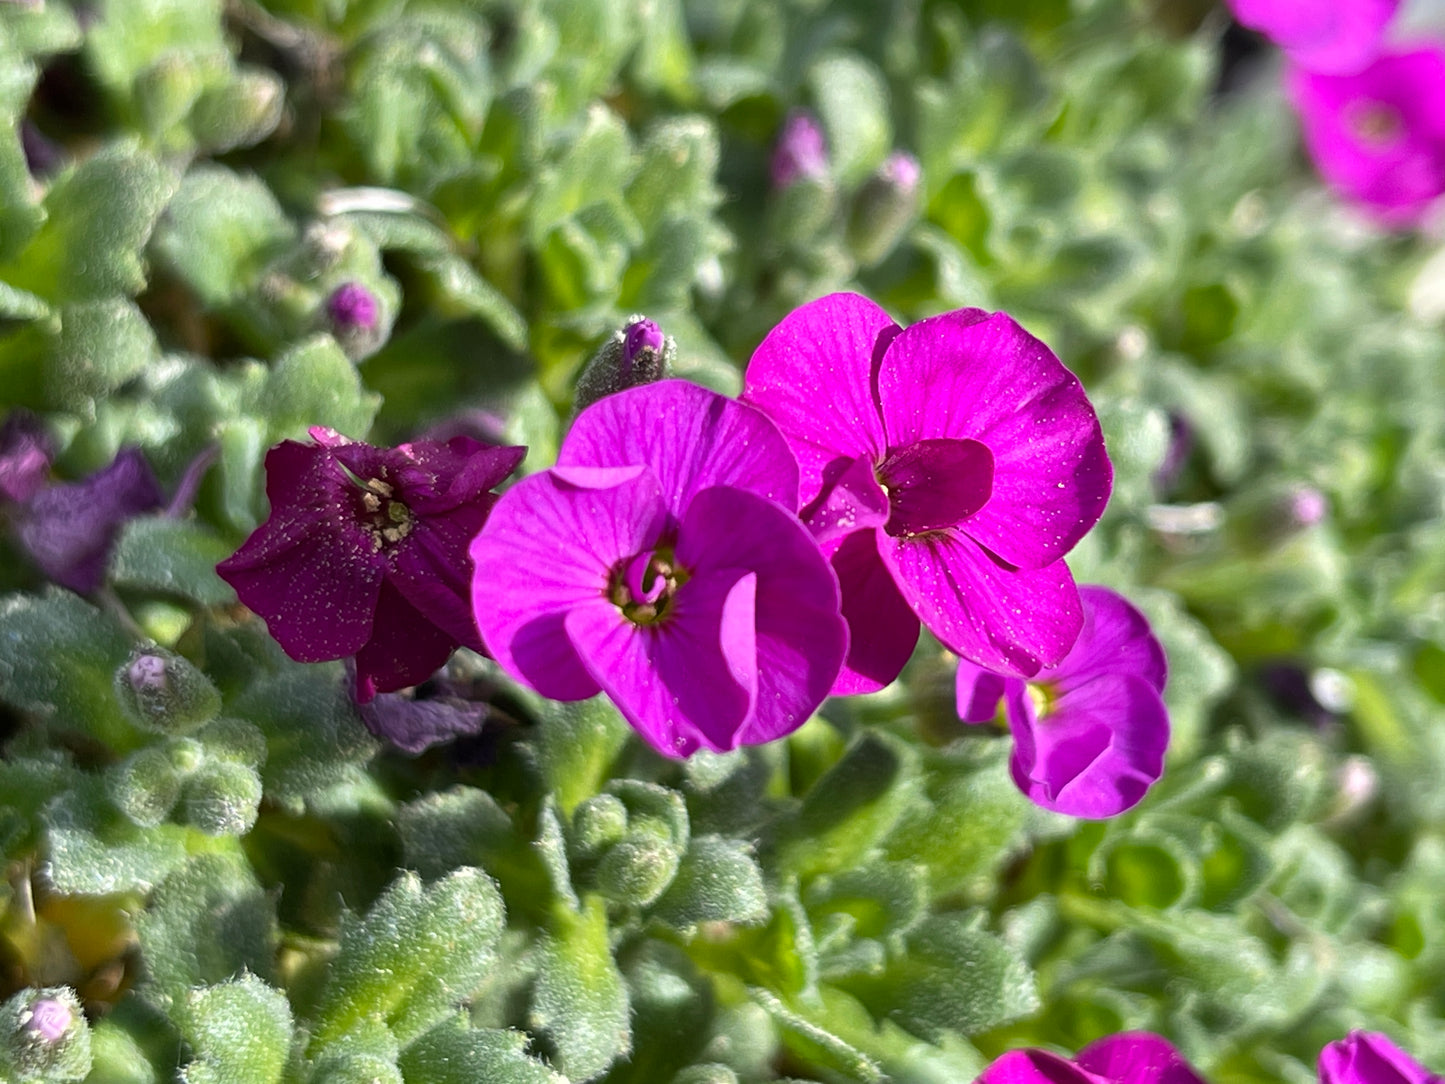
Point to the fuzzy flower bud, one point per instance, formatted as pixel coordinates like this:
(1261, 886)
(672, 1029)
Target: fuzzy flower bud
(800, 152)
(163, 691)
(352, 307)
(44, 1036)
(884, 207)
(638, 353)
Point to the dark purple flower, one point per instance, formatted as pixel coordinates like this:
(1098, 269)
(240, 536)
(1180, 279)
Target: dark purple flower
(1379, 136)
(25, 453)
(1335, 37)
(1137, 1057)
(415, 724)
(1368, 1057)
(660, 562)
(365, 552)
(68, 528)
(352, 307)
(946, 468)
(801, 151)
(1090, 732)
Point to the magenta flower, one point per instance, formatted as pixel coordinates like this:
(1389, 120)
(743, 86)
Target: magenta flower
(1368, 1057)
(660, 562)
(801, 151)
(1089, 733)
(365, 552)
(1332, 37)
(946, 468)
(1379, 136)
(1137, 1057)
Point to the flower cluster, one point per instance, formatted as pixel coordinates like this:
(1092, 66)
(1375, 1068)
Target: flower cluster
(1141, 1057)
(1373, 115)
(719, 567)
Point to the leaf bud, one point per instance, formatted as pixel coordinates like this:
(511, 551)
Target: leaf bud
(145, 786)
(637, 870)
(165, 692)
(598, 822)
(222, 798)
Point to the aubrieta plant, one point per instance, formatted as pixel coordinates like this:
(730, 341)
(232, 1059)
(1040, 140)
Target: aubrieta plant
(690, 542)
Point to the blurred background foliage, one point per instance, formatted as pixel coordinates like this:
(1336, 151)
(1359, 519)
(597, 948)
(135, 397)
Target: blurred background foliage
(183, 186)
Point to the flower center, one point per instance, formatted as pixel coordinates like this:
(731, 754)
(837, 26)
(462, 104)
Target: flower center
(1041, 698)
(1375, 124)
(643, 587)
(386, 519)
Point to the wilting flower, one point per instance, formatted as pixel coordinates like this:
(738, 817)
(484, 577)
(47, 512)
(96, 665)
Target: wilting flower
(365, 552)
(25, 453)
(946, 468)
(1134, 1057)
(1335, 37)
(1368, 1057)
(68, 528)
(1379, 136)
(1089, 733)
(660, 561)
(801, 151)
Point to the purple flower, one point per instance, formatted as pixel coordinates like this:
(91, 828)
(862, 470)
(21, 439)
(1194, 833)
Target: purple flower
(801, 151)
(1334, 37)
(1089, 733)
(415, 724)
(1379, 136)
(1368, 1057)
(660, 562)
(365, 552)
(946, 468)
(352, 307)
(25, 454)
(68, 528)
(1137, 1057)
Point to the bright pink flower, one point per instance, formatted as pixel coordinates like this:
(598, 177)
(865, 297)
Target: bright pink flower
(946, 468)
(1089, 733)
(1333, 37)
(1368, 1057)
(1137, 1057)
(1379, 136)
(365, 552)
(661, 562)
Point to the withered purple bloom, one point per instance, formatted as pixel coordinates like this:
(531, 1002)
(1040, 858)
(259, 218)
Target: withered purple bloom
(1090, 733)
(68, 528)
(365, 552)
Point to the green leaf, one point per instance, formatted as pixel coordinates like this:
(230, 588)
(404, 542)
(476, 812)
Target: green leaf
(576, 746)
(173, 556)
(853, 106)
(579, 1004)
(207, 923)
(93, 850)
(456, 1053)
(219, 231)
(314, 383)
(239, 1031)
(417, 954)
(717, 881)
(102, 344)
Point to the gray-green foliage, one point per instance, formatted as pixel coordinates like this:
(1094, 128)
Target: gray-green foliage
(244, 887)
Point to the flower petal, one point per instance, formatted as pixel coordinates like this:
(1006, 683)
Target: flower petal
(1336, 37)
(882, 628)
(977, 692)
(690, 438)
(971, 376)
(1116, 639)
(1034, 1067)
(936, 483)
(1098, 750)
(1013, 621)
(687, 683)
(814, 376)
(309, 571)
(801, 637)
(404, 649)
(550, 544)
(851, 499)
(1370, 1057)
(1136, 1057)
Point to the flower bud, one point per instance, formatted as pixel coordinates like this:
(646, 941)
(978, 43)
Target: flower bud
(884, 208)
(163, 691)
(45, 1036)
(801, 151)
(240, 112)
(352, 307)
(25, 452)
(637, 354)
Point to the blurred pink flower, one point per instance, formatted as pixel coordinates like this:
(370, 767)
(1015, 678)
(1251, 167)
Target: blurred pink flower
(1335, 37)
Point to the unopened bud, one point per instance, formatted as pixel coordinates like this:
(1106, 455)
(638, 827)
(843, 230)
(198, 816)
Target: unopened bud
(352, 307)
(598, 823)
(884, 208)
(45, 1036)
(164, 691)
(25, 451)
(240, 112)
(801, 151)
(639, 353)
(636, 871)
